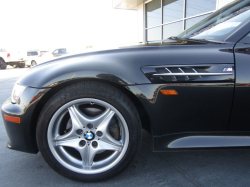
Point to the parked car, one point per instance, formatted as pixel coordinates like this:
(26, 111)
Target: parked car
(60, 52)
(12, 59)
(37, 57)
(190, 92)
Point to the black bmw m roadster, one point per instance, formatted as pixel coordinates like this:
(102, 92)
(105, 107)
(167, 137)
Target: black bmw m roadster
(85, 112)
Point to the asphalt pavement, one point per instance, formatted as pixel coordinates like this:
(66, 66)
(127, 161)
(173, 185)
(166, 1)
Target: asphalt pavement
(227, 168)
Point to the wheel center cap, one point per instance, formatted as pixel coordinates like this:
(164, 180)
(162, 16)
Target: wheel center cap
(89, 135)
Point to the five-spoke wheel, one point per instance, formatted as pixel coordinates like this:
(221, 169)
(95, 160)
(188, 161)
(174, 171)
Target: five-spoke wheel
(102, 133)
(89, 131)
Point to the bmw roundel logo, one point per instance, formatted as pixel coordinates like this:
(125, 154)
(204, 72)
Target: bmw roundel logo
(89, 135)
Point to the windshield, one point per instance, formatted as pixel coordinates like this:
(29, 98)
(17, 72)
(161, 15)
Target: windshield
(220, 24)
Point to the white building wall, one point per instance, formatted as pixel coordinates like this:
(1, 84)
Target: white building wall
(141, 23)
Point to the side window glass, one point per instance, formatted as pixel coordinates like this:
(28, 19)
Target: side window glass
(246, 39)
(62, 51)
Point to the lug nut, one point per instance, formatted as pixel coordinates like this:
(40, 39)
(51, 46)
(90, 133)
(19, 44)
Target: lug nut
(99, 133)
(90, 126)
(79, 131)
(82, 143)
(94, 144)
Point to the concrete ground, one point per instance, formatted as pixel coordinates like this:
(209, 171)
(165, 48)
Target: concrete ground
(190, 168)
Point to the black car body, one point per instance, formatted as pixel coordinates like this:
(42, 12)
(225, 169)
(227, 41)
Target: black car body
(210, 80)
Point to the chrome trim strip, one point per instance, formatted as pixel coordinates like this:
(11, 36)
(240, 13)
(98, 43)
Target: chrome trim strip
(183, 73)
(181, 70)
(190, 74)
(210, 141)
(194, 70)
(170, 72)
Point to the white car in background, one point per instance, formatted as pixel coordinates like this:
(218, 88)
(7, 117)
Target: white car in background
(35, 57)
(12, 59)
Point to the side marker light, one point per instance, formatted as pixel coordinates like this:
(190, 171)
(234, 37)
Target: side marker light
(12, 119)
(169, 92)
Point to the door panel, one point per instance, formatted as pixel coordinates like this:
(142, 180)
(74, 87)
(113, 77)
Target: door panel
(241, 106)
(204, 79)
(198, 107)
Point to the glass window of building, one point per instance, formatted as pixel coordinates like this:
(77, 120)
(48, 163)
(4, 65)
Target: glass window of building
(194, 7)
(192, 21)
(154, 34)
(172, 29)
(172, 10)
(165, 18)
(153, 11)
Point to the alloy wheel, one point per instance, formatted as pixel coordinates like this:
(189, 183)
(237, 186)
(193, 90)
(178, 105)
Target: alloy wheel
(88, 136)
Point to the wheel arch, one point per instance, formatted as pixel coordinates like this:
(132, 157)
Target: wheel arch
(144, 117)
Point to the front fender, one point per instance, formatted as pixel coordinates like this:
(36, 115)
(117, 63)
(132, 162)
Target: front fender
(78, 67)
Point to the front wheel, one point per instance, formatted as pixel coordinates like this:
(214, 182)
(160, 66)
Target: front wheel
(89, 132)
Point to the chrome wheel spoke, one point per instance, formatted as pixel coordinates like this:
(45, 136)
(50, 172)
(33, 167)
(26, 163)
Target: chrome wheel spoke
(74, 115)
(110, 140)
(97, 120)
(103, 125)
(85, 120)
(84, 152)
(88, 153)
(69, 135)
(74, 143)
(109, 146)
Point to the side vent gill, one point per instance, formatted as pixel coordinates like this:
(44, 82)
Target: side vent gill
(189, 73)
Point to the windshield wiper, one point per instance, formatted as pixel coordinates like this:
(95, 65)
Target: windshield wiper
(201, 40)
(173, 38)
(193, 39)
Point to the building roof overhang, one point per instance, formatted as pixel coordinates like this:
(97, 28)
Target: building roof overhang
(127, 4)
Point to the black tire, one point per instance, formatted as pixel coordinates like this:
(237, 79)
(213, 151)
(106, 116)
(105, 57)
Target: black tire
(33, 63)
(21, 65)
(3, 65)
(102, 92)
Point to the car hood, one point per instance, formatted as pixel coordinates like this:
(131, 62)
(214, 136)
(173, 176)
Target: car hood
(124, 48)
(122, 65)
